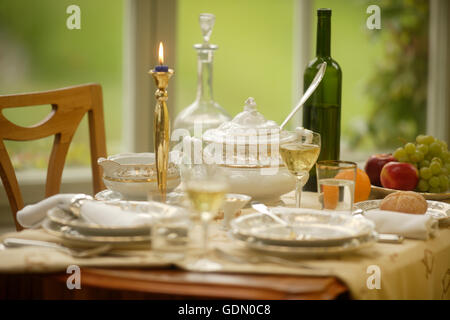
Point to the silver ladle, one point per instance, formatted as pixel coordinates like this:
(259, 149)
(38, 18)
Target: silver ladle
(314, 84)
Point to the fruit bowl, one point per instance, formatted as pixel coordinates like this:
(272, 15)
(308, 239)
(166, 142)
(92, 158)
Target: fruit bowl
(380, 193)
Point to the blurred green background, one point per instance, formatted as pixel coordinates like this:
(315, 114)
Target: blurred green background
(38, 52)
(255, 58)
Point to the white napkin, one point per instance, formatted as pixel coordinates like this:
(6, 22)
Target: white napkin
(414, 226)
(111, 215)
(32, 215)
(100, 213)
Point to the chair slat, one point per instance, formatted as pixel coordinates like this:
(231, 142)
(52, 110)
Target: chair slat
(69, 105)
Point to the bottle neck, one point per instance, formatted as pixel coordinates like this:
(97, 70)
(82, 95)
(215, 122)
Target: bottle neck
(204, 72)
(323, 37)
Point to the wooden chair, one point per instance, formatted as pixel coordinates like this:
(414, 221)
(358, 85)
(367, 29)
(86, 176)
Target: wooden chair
(69, 105)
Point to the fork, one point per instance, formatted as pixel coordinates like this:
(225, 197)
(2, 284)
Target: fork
(77, 253)
(261, 259)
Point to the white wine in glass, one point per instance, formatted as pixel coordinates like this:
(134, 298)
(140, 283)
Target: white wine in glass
(206, 186)
(206, 198)
(299, 156)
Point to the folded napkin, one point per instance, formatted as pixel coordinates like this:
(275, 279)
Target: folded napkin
(93, 211)
(32, 215)
(414, 226)
(111, 215)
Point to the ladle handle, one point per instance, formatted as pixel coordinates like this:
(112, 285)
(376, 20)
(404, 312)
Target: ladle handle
(314, 84)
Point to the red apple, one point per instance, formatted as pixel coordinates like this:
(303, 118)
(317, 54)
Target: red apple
(399, 176)
(375, 164)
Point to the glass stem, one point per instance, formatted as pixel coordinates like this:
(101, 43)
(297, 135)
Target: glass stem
(205, 225)
(298, 192)
(298, 188)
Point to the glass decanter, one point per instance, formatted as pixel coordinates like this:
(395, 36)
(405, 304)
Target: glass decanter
(204, 111)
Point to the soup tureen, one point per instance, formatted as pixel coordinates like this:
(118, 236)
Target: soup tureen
(247, 148)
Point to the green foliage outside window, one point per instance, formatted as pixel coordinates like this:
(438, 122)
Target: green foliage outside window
(398, 86)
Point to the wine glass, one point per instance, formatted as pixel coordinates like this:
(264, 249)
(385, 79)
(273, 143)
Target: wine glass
(206, 187)
(299, 154)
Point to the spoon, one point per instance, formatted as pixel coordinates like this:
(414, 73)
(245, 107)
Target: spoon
(314, 84)
(262, 208)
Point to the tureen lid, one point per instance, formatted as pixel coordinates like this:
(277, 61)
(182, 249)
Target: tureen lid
(247, 123)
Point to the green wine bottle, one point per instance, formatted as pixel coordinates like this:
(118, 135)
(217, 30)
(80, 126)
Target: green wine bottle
(322, 111)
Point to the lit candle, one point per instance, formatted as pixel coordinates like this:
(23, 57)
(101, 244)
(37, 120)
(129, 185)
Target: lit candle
(161, 67)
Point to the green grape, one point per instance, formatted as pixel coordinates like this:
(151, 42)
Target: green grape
(399, 153)
(447, 165)
(410, 148)
(443, 181)
(427, 140)
(442, 189)
(443, 144)
(420, 139)
(435, 149)
(422, 148)
(424, 163)
(403, 159)
(425, 173)
(434, 182)
(423, 185)
(416, 156)
(435, 167)
(429, 156)
(446, 156)
(444, 171)
(434, 190)
(436, 159)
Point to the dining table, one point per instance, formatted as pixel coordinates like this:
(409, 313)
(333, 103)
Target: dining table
(413, 269)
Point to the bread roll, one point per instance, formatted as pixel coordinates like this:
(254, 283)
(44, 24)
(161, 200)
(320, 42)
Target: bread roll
(405, 201)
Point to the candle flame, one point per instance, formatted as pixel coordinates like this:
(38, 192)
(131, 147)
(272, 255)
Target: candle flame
(161, 53)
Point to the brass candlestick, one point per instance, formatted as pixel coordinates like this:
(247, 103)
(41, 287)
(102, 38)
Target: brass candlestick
(161, 129)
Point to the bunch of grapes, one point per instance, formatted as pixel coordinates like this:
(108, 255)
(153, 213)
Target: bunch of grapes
(432, 158)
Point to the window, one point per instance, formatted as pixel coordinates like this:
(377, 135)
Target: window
(40, 53)
(255, 55)
(384, 73)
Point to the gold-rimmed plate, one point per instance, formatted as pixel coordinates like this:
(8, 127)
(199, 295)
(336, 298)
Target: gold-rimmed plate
(436, 209)
(65, 218)
(307, 228)
(346, 248)
(154, 209)
(380, 193)
(69, 233)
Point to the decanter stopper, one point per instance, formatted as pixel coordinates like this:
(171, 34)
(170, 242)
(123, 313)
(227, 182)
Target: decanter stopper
(250, 104)
(207, 21)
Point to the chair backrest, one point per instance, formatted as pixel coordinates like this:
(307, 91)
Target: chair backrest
(69, 105)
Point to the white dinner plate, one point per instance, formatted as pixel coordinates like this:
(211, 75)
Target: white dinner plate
(156, 209)
(69, 233)
(380, 193)
(308, 228)
(348, 247)
(437, 209)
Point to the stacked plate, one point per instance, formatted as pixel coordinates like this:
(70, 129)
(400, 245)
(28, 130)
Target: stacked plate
(66, 225)
(310, 232)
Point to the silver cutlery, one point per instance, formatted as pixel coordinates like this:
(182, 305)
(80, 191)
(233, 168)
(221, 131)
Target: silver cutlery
(314, 84)
(262, 208)
(382, 237)
(77, 253)
(261, 259)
